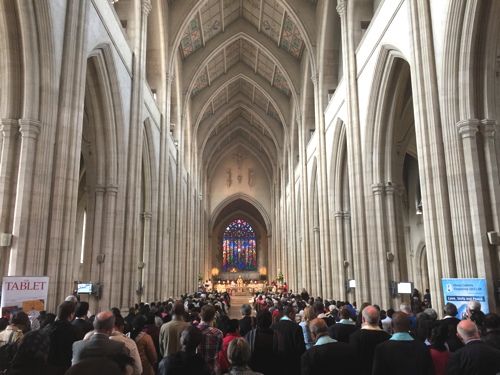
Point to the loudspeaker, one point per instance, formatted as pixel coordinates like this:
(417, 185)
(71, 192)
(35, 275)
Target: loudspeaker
(390, 256)
(140, 265)
(493, 238)
(5, 239)
(100, 258)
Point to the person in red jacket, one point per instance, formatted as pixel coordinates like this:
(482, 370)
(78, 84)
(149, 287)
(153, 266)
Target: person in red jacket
(233, 332)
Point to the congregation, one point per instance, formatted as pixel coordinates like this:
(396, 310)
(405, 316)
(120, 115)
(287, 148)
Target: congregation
(282, 333)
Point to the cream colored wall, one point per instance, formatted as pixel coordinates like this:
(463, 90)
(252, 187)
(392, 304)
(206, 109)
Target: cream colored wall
(218, 182)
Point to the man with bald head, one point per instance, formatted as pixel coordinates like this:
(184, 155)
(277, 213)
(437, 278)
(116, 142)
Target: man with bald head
(327, 352)
(402, 354)
(475, 357)
(367, 338)
(99, 344)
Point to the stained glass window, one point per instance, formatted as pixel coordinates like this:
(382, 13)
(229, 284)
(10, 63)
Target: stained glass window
(239, 247)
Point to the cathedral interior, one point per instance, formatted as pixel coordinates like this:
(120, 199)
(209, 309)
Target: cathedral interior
(346, 144)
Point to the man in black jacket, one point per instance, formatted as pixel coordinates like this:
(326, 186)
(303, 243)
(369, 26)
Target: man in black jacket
(62, 335)
(327, 352)
(293, 338)
(475, 357)
(402, 354)
(247, 323)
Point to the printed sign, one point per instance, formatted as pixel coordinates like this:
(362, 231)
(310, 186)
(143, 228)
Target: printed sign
(460, 291)
(26, 293)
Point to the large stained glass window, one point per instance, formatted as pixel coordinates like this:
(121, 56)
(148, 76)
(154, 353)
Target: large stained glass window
(238, 247)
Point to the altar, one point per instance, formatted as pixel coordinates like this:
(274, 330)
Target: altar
(241, 288)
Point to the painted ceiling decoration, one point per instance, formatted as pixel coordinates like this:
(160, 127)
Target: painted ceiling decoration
(241, 58)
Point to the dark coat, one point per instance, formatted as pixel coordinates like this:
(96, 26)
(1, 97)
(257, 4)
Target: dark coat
(294, 344)
(337, 356)
(474, 358)
(364, 342)
(83, 325)
(247, 323)
(62, 335)
(183, 363)
(492, 338)
(395, 357)
(341, 332)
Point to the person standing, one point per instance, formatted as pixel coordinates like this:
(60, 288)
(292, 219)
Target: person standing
(170, 333)
(211, 339)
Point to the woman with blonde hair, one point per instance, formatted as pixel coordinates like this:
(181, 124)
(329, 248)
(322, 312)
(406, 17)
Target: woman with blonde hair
(308, 314)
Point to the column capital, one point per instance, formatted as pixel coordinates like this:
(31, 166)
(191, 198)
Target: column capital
(299, 120)
(7, 126)
(146, 7)
(378, 188)
(315, 79)
(347, 215)
(341, 7)
(468, 128)
(338, 214)
(111, 189)
(390, 188)
(146, 215)
(99, 189)
(170, 78)
(316, 229)
(29, 128)
(488, 128)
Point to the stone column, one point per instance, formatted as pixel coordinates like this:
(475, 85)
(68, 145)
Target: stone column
(488, 130)
(147, 255)
(110, 278)
(165, 222)
(8, 129)
(392, 235)
(307, 258)
(353, 135)
(97, 225)
(324, 256)
(29, 130)
(339, 289)
(477, 261)
(379, 270)
(319, 270)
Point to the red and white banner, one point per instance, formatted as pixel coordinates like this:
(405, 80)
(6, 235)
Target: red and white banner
(26, 293)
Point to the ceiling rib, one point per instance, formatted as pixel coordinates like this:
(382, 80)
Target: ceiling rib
(222, 18)
(202, 32)
(261, 12)
(281, 28)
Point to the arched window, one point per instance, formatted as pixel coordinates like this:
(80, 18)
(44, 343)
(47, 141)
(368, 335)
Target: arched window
(239, 247)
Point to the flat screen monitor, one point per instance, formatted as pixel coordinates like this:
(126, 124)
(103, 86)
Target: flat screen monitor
(405, 288)
(352, 283)
(85, 288)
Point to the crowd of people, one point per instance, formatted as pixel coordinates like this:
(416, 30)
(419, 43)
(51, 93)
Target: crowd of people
(277, 334)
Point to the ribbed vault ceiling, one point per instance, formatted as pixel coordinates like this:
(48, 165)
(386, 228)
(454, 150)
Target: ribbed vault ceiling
(240, 67)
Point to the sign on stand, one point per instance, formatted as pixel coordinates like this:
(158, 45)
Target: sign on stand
(461, 291)
(24, 293)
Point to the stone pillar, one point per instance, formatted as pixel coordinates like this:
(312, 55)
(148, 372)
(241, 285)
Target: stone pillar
(165, 222)
(29, 130)
(319, 270)
(97, 225)
(8, 129)
(324, 256)
(477, 259)
(353, 136)
(340, 254)
(110, 278)
(379, 270)
(488, 130)
(147, 256)
(392, 235)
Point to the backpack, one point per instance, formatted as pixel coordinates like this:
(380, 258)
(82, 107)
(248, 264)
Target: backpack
(7, 353)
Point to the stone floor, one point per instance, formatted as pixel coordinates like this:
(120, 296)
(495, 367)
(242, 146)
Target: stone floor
(236, 302)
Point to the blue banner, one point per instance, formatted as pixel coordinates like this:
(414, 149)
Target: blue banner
(460, 291)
